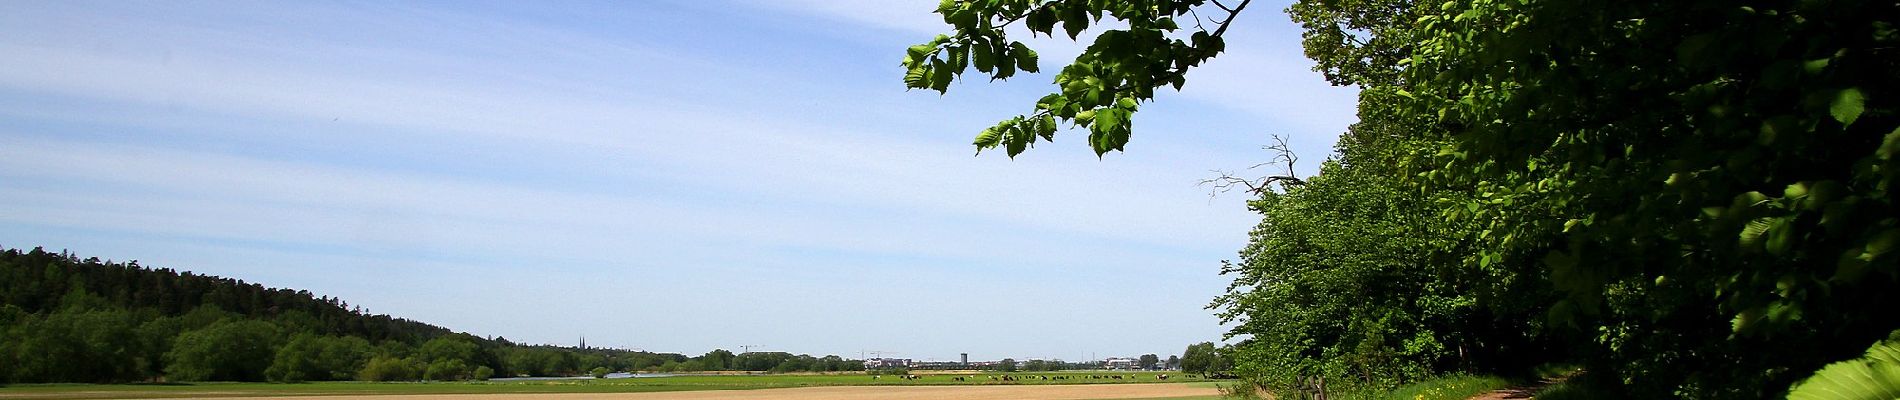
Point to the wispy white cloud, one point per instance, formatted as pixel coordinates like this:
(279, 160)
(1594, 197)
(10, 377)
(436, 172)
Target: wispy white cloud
(660, 172)
(913, 17)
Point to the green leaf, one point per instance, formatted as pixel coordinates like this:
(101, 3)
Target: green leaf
(1048, 126)
(983, 56)
(1747, 320)
(1889, 146)
(1873, 376)
(987, 139)
(916, 79)
(1025, 58)
(1847, 106)
(1042, 20)
(1752, 234)
(1815, 66)
(959, 58)
(1074, 21)
(1167, 24)
(1781, 238)
(917, 54)
(1016, 142)
(1110, 131)
(1108, 118)
(1004, 70)
(1883, 242)
(940, 75)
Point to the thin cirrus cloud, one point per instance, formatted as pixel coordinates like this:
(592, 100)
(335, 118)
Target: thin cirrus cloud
(1263, 72)
(475, 167)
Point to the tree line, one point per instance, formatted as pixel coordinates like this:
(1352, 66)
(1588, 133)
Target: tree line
(1689, 198)
(66, 319)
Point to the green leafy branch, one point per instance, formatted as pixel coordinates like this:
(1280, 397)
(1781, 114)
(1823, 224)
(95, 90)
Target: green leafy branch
(1101, 90)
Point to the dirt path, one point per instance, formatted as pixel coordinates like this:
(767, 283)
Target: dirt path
(1025, 392)
(1521, 392)
(1524, 391)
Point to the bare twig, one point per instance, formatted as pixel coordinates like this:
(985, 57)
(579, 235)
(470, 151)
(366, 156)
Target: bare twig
(1225, 181)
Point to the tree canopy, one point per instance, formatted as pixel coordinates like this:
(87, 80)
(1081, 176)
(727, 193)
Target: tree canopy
(1691, 197)
(66, 319)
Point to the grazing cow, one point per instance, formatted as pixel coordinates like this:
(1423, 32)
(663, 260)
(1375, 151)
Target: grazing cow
(874, 377)
(1116, 376)
(1163, 377)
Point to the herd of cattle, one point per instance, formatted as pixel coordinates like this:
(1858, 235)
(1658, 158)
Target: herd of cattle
(1013, 378)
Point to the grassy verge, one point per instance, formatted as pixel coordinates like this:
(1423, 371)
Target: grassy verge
(1456, 387)
(1449, 387)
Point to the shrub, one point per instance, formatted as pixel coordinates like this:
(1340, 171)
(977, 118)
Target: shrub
(387, 369)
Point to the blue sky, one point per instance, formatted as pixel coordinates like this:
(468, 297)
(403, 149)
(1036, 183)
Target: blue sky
(663, 175)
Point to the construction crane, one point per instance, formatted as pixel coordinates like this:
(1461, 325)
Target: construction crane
(747, 348)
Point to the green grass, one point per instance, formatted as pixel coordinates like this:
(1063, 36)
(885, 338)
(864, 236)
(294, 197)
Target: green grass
(1456, 387)
(621, 385)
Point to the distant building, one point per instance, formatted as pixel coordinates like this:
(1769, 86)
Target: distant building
(886, 363)
(963, 358)
(1121, 363)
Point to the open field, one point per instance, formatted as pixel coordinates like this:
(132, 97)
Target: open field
(1078, 385)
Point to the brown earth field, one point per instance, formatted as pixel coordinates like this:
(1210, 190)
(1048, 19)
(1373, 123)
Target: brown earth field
(1013, 392)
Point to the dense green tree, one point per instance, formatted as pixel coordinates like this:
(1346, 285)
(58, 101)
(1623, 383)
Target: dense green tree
(718, 359)
(448, 369)
(450, 347)
(1197, 358)
(1692, 197)
(342, 357)
(587, 362)
(389, 369)
(225, 351)
(308, 357)
(45, 350)
(64, 319)
(1148, 361)
(296, 361)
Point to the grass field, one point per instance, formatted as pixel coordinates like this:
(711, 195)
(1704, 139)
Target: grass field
(622, 385)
